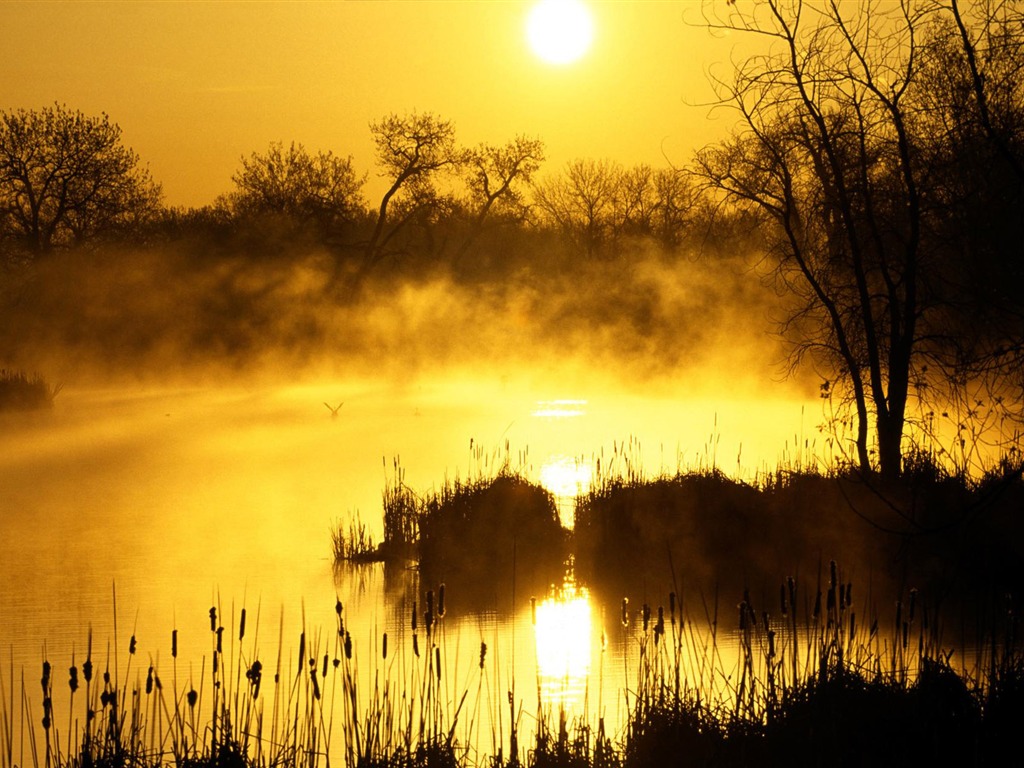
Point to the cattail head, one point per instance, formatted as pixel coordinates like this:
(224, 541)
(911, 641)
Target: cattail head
(413, 615)
(213, 618)
(220, 639)
(384, 646)
(437, 661)
(73, 678)
(323, 673)
(45, 680)
(646, 616)
(174, 643)
(302, 648)
(338, 606)
(131, 645)
(149, 680)
(415, 645)
(483, 653)
(241, 626)
(440, 601)
(87, 670)
(192, 697)
(348, 646)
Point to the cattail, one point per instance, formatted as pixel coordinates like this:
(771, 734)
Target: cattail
(483, 653)
(771, 643)
(437, 659)
(817, 606)
(906, 634)
(302, 648)
(87, 670)
(413, 615)
(324, 672)
(440, 601)
(213, 618)
(338, 606)
(192, 697)
(131, 645)
(241, 626)
(385, 645)
(47, 712)
(348, 646)
(220, 639)
(853, 617)
(316, 685)
(416, 645)
(533, 611)
(73, 678)
(625, 611)
(149, 680)
(174, 643)
(45, 680)
(647, 616)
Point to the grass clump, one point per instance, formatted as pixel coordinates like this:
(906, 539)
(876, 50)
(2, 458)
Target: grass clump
(23, 392)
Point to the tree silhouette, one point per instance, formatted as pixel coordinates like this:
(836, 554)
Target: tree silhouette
(411, 150)
(846, 152)
(320, 191)
(66, 178)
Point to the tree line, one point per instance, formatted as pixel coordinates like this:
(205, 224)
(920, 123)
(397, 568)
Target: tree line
(877, 165)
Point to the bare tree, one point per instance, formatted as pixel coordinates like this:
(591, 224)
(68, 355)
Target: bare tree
(318, 190)
(65, 178)
(583, 201)
(495, 176)
(411, 150)
(825, 155)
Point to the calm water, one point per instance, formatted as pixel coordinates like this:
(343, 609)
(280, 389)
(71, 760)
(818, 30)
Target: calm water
(134, 511)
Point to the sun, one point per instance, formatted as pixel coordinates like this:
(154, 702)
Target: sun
(559, 31)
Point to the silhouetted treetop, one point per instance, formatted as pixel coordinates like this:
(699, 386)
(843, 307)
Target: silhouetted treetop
(65, 177)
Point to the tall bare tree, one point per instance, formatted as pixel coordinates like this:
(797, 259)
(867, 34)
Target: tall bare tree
(824, 154)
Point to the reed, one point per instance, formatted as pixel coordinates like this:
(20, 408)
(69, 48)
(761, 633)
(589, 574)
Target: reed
(819, 677)
(20, 391)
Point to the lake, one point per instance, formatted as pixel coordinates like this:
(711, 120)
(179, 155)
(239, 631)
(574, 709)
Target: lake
(133, 511)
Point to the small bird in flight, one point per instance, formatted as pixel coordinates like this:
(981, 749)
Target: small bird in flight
(334, 409)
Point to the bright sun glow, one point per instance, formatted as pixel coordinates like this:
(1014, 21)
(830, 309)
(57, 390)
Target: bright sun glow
(559, 31)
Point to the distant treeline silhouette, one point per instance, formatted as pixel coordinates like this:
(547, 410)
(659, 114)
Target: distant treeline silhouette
(875, 175)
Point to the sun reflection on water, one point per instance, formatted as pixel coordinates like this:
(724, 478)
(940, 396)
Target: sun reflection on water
(562, 633)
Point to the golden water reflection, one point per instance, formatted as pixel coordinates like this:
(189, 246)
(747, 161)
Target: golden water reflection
(563, 631)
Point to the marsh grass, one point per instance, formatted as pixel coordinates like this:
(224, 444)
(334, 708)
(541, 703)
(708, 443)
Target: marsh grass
(809, 680)
(23, 392)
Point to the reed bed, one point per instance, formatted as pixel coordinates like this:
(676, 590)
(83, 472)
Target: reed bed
(20, 391)
(809, 680)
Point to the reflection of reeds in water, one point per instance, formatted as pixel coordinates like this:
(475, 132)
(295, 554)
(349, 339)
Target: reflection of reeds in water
(804, 682)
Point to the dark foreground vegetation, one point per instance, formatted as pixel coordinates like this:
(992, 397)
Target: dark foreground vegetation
(811, 681)
(20, 391)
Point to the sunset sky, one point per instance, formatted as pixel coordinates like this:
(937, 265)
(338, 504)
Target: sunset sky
(197, 85)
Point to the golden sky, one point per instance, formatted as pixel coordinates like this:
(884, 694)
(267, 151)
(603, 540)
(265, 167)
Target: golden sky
(197, 85)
